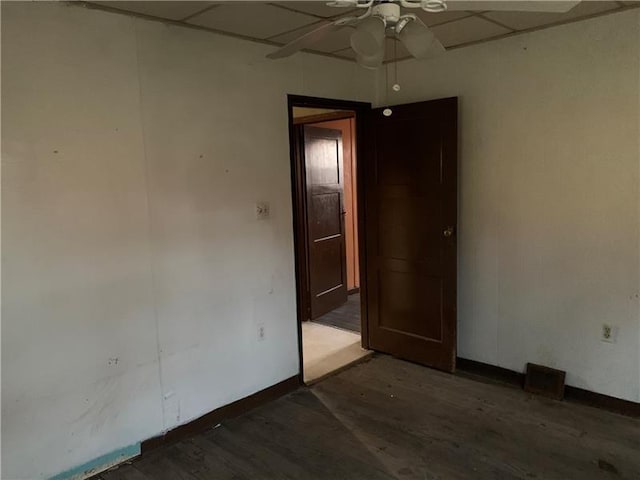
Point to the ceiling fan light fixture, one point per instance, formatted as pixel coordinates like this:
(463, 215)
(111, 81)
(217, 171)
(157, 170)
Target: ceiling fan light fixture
(418, 39)
(368, 38)
(371, 61)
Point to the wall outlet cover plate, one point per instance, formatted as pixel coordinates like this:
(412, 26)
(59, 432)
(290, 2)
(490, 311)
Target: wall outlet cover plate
(609, 333)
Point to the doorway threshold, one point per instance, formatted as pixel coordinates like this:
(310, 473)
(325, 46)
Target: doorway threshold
(328, 350)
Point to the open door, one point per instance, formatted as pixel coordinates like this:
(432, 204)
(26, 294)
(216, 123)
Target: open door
(323, 159)
(410, 224)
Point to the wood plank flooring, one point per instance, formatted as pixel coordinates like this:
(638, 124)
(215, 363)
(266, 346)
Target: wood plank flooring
(346, 316)
(389, 419)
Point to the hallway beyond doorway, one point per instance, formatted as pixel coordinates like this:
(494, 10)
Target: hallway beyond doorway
(346, 317)
(328, 350)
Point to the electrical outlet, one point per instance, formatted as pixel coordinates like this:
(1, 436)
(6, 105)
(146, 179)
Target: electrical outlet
(608, 333)
(262, 210)
(261, 332)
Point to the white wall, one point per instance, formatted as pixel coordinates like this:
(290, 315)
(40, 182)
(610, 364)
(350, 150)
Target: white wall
(549, 199)
(134, 271)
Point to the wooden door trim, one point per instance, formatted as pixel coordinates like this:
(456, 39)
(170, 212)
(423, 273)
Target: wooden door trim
(298, 194)
(324, 117)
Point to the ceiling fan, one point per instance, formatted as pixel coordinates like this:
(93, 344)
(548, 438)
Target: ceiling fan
(383, 18)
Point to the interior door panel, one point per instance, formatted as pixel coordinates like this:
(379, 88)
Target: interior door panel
(411, 216)
(323, 159)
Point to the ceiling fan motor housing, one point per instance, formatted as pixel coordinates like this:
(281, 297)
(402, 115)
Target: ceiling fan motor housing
(390, 12)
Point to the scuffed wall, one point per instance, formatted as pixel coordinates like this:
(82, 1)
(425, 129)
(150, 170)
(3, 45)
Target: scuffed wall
(134, 270)
(135, 273)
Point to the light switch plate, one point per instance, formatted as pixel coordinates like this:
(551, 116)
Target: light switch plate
(609, 333)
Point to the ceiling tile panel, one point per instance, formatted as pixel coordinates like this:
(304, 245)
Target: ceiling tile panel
(317, 8)
(170, 10)
(470, 29)
(525, 20)
(436, 18)
(252, 19)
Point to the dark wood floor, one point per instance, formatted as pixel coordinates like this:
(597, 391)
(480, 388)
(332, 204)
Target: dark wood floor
(390, 419)
(346, 316)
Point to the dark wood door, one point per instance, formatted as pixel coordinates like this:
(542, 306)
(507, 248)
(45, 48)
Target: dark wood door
(350, 192)
(325, 219)
(411, 215)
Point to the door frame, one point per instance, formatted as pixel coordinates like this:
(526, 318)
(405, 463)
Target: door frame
(324, 117)
(298, 196)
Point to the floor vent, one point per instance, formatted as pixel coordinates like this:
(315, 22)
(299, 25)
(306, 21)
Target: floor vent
(545, 381)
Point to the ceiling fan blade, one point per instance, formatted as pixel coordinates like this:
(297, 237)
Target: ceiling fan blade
(308, 39)
(551, 6)
(420, 40)
(343, 3)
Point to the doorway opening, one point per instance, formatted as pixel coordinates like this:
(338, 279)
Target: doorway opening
(327, 209)
(407, 260)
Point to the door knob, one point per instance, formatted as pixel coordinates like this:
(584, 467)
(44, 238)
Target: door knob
(447, 232)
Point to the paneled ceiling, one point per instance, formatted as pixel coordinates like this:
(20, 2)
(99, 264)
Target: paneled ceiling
(277, 23)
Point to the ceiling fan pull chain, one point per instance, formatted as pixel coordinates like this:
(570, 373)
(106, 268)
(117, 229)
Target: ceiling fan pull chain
(386, 83)
(396, 85)
(387, 111)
